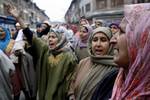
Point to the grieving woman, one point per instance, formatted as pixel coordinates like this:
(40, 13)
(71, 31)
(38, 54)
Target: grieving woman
(91, 70)
(55, 62)
(55, 65)
(132, 55)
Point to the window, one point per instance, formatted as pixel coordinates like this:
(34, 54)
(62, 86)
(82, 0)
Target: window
(15, 1)
(100, 4)
(143, 1)
(83, 10)
(117, 3)
(27, 0)
(148, 1)
(140, 1)
(88, 7)
(1, 9)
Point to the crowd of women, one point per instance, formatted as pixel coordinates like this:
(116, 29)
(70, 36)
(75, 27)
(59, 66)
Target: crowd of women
(88, 63)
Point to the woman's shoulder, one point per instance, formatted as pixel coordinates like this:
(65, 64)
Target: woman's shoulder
(9, 47)
(68, 53)
(39, 42)
(85, 61)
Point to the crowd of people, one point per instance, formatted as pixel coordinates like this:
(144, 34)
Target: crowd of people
(77, 62)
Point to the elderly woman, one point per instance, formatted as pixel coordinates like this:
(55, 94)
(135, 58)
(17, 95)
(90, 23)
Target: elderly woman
(93, 69)
(132, 55)
(55, 77)
(55, 62)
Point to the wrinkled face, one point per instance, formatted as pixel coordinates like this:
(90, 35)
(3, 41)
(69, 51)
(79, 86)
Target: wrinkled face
(83, 32)
(53, 40)
(120, 49)
(114, 29)
(2, 33)
(100, 44)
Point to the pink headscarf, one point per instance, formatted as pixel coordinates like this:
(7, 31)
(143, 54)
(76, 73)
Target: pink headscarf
(136, 84)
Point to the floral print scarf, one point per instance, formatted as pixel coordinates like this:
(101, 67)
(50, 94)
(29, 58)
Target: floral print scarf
(136, 84)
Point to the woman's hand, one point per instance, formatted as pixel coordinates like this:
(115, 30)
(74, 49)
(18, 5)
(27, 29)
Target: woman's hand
(15, 13)
(12, 10)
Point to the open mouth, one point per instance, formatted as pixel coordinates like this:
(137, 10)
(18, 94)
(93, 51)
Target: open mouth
(51, 45)
(98, 51)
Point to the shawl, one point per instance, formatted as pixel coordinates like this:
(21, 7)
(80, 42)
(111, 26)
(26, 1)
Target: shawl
(6, 67)
(28, 74)
(104, 89)
(4, 42)
(136, 84)
(95, 74)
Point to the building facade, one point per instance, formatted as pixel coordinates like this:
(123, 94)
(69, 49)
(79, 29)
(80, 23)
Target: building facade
(30, 12)
(73, 13)
(107, 10)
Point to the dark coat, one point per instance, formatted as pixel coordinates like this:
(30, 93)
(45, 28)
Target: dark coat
(105, 86)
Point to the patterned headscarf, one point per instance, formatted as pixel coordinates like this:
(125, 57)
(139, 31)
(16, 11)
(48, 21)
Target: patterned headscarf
(136, 84)
(4, 42)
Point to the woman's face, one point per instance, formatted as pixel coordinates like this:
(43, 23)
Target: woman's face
(98, 24)
(119, 41)
(2, 33)
(38, 29)
(100, 44)
(83, 22)
(53, 40)
(83, 32)
(120, 49)
(114, 29)
(43, 27)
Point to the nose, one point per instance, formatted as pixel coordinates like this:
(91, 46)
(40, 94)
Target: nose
(50, 39)
(98, 43)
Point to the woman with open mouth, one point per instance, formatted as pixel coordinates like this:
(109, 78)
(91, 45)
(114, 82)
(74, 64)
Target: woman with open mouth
(132, 54)
(93, 71)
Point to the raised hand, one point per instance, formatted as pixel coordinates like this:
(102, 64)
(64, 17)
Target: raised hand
(12, 10)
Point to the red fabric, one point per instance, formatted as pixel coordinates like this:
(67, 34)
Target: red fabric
(136, 84)
(16, 80)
